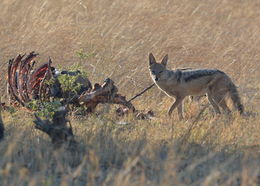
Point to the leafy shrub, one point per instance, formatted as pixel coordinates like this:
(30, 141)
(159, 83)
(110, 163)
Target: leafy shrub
(45, 109)
(69, 83)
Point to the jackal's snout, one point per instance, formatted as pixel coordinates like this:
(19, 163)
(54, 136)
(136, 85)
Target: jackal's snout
(154, 75)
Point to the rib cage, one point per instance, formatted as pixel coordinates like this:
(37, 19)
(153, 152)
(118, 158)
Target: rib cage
(23, 82)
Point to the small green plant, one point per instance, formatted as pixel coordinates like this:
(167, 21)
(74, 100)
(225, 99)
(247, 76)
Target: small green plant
(77, 67)
(84, 55)
(45, 109)
(50, 82)
(69, 83)
(69, 86)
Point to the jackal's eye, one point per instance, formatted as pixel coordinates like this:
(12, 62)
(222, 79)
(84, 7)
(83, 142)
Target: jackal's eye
(160, 72)
(153, 72)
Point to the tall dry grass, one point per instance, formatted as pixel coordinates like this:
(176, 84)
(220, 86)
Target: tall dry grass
(117, 37)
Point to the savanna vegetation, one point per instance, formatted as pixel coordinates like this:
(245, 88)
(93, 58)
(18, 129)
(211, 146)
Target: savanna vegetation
(113, 39)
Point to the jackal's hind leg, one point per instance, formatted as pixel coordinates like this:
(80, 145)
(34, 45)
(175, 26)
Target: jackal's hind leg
(176, 104)
(220, 100)
(225, 107)
(212, 102)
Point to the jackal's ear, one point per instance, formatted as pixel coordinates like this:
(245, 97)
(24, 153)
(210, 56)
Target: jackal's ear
(165, 60)
(151, 59)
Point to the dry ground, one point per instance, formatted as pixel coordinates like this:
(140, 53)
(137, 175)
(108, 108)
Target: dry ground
(116, 37)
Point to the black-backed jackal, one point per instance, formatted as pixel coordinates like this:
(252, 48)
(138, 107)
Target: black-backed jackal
(180, 83)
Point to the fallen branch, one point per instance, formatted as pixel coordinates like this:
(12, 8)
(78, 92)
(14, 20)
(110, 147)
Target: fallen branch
(57, 130)
(139, 94)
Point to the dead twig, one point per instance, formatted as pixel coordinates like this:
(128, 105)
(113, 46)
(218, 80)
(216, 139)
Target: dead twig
(58, 130)
(139, 94)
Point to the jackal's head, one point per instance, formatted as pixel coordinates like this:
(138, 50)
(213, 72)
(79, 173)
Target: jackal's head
(157, 69)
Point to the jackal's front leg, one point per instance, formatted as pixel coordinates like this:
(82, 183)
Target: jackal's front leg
(180, 110)
(177, 103)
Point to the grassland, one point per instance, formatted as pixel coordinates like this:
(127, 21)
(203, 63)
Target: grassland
(115, 38)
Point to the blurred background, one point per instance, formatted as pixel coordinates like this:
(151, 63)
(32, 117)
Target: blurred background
(113, 38)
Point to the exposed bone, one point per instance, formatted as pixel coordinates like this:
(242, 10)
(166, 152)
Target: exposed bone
(43, 87)
(138, 114)
(106, 93)
(23, 84)
(35, 80)
(24, 68)
(145, 115)
(12, 79)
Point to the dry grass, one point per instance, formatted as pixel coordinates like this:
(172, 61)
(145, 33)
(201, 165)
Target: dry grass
(117, 36)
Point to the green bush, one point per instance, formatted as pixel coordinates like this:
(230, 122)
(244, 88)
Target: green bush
(45, 109)
(68, 83)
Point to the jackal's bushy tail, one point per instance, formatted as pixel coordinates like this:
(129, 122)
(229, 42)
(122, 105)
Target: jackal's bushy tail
(235, 98)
